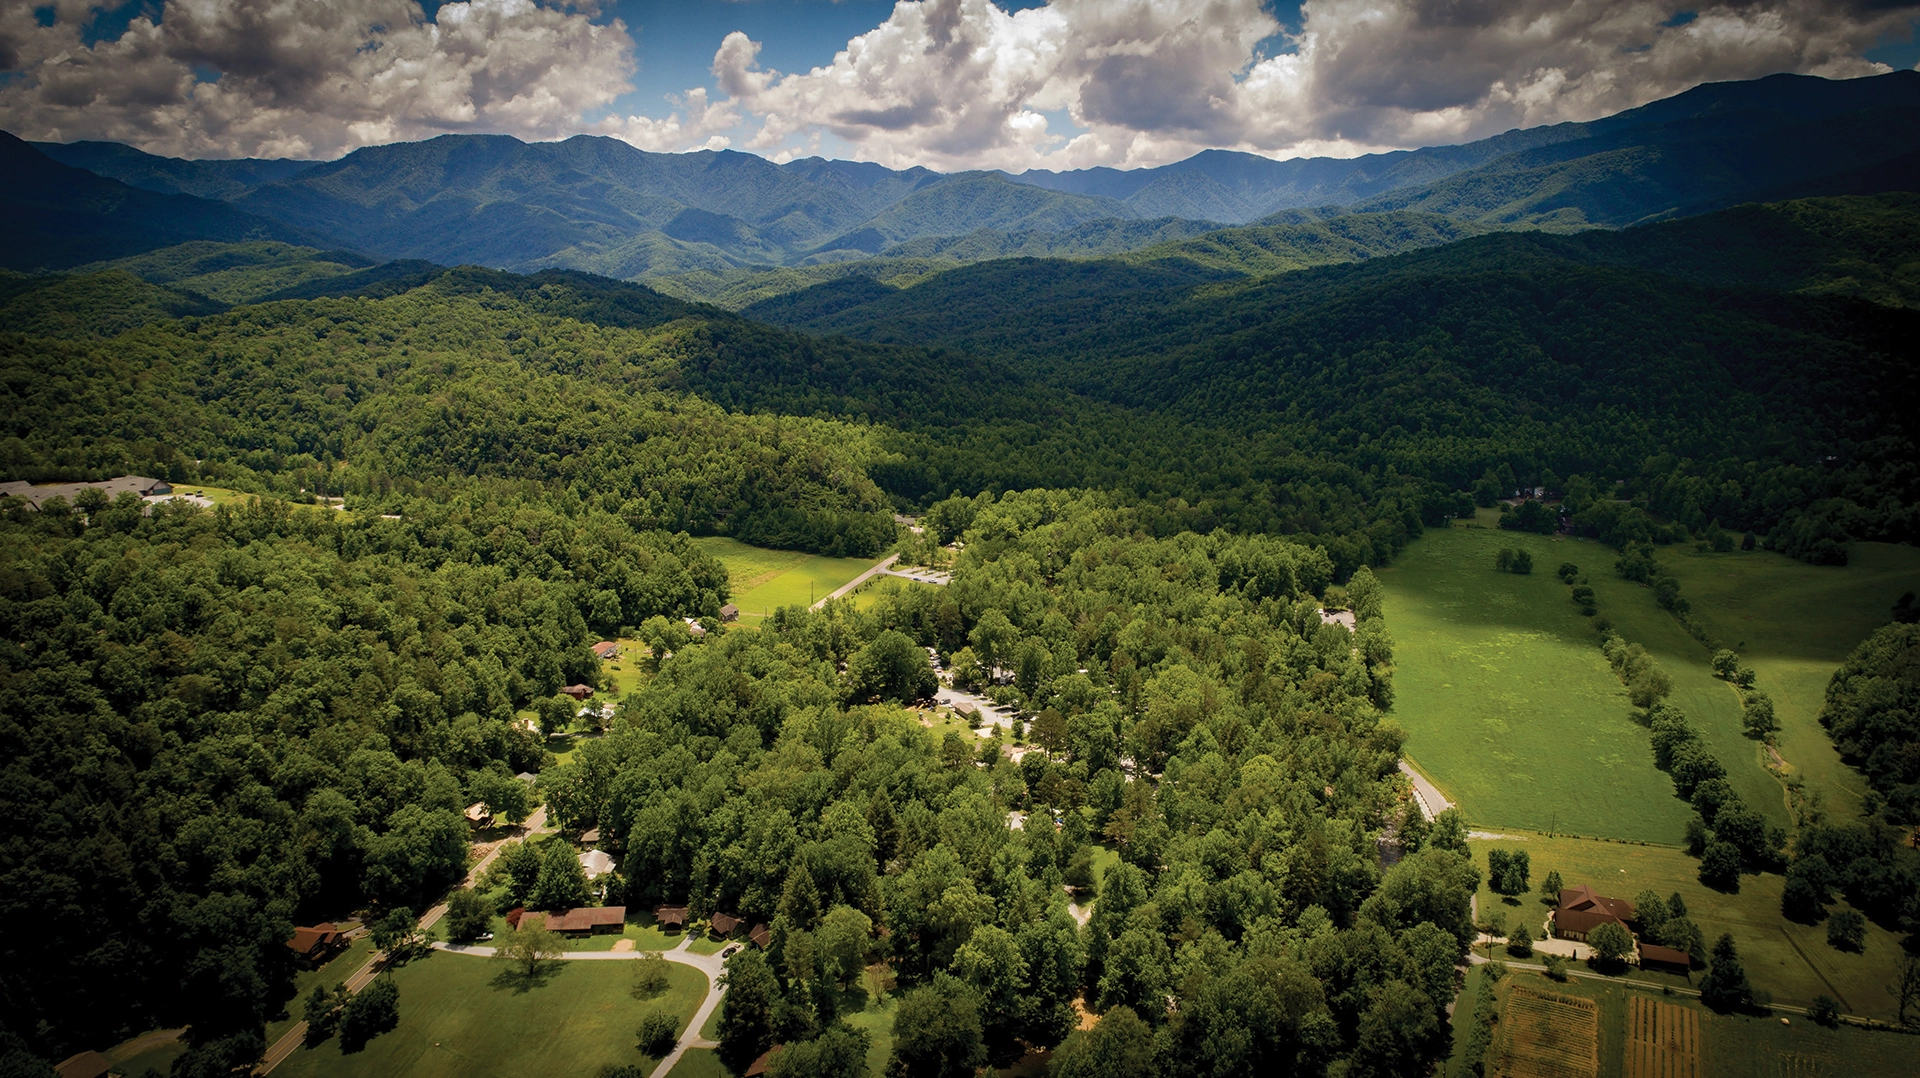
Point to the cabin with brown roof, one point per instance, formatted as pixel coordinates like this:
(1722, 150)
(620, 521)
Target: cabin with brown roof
(759, 1066)
(588, 920)
(84, 1065)
(675, 916)
(578, 692)
(1665, 959)
(314, 945)
(760, 936)
(723, 924)
(1582, 909)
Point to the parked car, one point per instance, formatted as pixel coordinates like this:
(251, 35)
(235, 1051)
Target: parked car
(728, 953)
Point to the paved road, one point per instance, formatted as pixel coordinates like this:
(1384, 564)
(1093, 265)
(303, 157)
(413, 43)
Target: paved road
(711, 965)
(1428, 796)
(278, 1052)
(849, 586)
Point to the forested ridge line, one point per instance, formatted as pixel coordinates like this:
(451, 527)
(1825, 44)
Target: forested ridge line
(1698, 387)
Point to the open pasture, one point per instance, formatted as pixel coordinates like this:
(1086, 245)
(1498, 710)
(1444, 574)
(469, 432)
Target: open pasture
(1509, 706)
(468, 1017)
(1794, 624)
(766, 580)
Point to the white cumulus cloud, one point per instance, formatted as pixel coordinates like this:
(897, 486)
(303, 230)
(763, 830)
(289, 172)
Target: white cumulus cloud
(949, 84)
(308, 78)
(963, 83)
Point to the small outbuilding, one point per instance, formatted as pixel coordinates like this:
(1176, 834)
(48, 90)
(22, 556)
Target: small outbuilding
(478, 817)
(729, 612)
(84, 1065)
(1665, 959)
(760, 1066)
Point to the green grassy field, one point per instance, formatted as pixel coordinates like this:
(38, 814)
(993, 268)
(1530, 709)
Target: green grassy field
(766, 580)
(1794, 624)
(1792, 961)
(700, 1063)
(1712, 705)
(1509, 706)
(466, 1017)
(1732, 1046)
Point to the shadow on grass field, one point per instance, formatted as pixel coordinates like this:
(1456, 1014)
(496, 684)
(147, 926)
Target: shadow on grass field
(461, 1018)
(1794, 624)
(1509, 706)
(1792, 961)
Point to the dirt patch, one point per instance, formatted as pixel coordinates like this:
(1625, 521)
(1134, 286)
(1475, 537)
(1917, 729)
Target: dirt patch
(1087, 1017)
(1547, 1035)
(1663, 1040)
(623, 945)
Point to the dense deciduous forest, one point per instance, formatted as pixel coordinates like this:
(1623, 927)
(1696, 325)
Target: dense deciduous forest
(1191, 708)
(218, 722)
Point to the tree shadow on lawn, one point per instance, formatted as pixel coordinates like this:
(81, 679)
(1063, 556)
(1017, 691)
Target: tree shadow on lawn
(519, 980)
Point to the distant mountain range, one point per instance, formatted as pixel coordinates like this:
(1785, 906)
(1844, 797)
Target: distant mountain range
(718, 218)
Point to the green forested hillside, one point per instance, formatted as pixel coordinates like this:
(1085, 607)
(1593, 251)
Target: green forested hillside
(533, 382)
(1542, 355)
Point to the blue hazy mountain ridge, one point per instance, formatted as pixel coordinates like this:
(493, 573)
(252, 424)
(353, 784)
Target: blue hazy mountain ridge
(221, 179)
(600, 205)
(1240, 187)
(54, 216)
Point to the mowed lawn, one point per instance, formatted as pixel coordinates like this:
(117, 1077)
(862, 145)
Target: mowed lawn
(1509, 706)
(1792, 961)
(468, 1017)
(1794, 624)
(766, 580)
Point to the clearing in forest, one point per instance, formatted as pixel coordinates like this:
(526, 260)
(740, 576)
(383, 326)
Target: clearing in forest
(765, 580)
(1547, 1035)
(1509, 705)
(1663, 1040)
